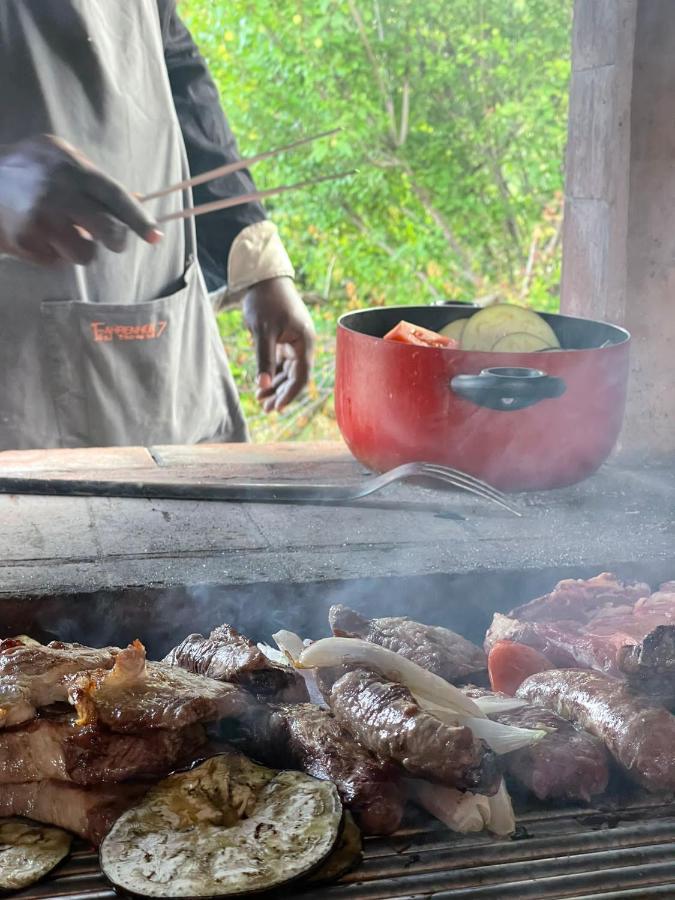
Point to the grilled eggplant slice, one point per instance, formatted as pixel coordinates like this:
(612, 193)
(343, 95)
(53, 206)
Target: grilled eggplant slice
(224, 828)
(346, 856)
(28, 852)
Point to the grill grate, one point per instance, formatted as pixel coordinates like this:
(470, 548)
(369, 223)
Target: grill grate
(585, 853)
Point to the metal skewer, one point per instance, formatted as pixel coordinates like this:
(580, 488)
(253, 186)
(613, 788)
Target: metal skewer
(250, 198)
(234, 166)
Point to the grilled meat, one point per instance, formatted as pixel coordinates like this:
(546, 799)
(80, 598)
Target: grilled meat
(31, 675)
(384, 717)
(439, 650)
(87, 812)
(307, 737)
(55, 747)
(136, 695)
(226, 655)
(603, 624)
(639, 734)
(568, 762)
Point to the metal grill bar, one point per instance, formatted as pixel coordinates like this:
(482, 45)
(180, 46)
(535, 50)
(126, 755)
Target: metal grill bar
(564, 853)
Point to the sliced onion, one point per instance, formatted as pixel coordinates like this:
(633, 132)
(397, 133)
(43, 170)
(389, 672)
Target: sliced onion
(498, 737)
(424, 685)
(492, 705)
(290, 644)
(275, 656)
(461, 812)
(502, 818)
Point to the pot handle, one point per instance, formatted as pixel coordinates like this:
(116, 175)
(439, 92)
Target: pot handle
(508, 388)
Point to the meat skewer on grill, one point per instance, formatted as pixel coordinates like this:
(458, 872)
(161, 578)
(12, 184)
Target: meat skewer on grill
(384, 717)
(639, 734)
(437, 649)
(305, 736)
(226, 655)
(567, 762)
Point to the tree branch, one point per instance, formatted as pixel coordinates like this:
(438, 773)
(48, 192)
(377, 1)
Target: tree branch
(377, 72)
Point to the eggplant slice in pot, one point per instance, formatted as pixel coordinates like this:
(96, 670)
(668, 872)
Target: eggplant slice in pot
(225, 827)
(29, 851)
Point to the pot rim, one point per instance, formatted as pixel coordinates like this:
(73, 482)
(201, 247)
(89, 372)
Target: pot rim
(623, 335)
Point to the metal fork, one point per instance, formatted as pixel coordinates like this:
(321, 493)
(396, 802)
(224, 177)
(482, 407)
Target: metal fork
(255, 492)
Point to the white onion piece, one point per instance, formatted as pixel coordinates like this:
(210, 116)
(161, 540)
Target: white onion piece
(275, 656)
(461, 812)
(502, 819)
(498, 737)
(424, 685)
(290, 644)
(492, 706)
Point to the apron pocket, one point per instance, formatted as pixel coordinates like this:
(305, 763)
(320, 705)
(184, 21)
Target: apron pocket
(138, 374)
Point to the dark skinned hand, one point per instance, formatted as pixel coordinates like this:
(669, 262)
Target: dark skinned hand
(56, 206)
(284, 336)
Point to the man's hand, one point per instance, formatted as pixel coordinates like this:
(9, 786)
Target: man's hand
(284, 336)
(55, 205)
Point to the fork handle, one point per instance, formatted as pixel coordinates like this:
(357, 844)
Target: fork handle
(242, 492)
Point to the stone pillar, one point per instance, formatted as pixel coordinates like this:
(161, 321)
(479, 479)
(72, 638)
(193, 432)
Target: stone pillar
(619, 230)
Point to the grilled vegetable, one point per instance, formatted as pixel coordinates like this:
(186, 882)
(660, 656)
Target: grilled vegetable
(521, 342)
(28, 852)
(510, 663)
(226, 827)
(454, 329)
(406, 333)
(346, 856)
(487, 326)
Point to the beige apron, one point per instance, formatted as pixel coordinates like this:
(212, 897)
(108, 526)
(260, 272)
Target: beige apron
(126, 350)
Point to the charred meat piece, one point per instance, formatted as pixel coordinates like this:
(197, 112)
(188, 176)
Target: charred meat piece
(309, 738)
(603, 624)
(226, 655)
(137, 694)
(639, 735)
(439, 650)
(87, 812)
(567, 763)
(31, 675)
(56, 747)
(384, 717)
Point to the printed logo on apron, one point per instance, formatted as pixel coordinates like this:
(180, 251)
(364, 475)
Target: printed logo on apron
(150, 331)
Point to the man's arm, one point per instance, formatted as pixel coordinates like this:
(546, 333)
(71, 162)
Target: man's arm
(210, 143)
(238, 246)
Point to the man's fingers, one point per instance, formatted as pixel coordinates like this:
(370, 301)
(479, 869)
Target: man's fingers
(265, 350)
(104, 228)
(121, 205)
(71, 246)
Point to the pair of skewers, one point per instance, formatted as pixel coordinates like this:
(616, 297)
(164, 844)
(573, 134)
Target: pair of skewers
(240, 199)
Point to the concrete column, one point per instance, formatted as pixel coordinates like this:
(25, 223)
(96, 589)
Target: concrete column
(619, 231)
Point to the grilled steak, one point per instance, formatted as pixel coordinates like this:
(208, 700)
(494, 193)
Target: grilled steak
(55, 747)
(31, 675)
(226, 655)
(601, 624)
(439, 650)
(136, 695)
(87, 812)
(639, 734)
(309, 738)
(384, 717)
(567, 763)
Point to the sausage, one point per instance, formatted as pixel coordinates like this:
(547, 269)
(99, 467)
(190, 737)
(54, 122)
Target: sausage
(639, 734)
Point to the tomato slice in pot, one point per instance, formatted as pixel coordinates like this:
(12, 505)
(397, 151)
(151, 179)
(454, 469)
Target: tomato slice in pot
(510, 663)
(406, 333)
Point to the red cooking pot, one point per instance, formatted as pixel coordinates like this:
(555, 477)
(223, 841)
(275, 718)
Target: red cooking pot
(521, 421)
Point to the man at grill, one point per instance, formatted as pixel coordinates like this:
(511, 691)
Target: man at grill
(107, 332)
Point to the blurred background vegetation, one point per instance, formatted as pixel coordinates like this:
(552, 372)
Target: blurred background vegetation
(455, 114)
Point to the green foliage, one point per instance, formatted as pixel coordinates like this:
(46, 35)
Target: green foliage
(453, 112)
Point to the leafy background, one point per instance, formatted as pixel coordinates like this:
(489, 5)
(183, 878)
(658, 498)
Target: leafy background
(453, 112)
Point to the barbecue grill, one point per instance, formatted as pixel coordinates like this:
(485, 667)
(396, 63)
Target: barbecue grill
(614, 851)
(622, 846)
